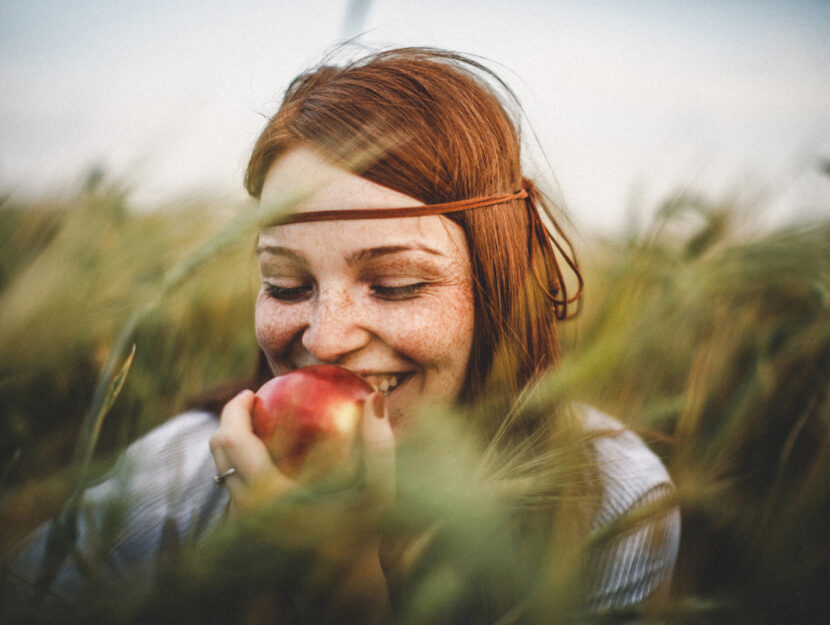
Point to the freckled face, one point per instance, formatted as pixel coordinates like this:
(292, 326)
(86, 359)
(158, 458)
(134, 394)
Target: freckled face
(389, 298)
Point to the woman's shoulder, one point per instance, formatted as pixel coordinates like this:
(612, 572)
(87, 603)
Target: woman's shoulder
(634, 563)
(166, 475)
(178, 448)
(631, 472)
(159, 494)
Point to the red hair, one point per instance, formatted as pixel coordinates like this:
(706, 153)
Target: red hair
(435, 128)
(441, 133)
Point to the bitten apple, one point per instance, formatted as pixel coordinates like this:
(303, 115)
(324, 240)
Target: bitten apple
(308, 418)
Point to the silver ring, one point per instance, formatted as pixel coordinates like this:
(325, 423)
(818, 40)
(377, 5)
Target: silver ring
(220, 478)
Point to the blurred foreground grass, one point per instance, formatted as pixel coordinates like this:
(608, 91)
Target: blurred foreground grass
(72, 272)
(713, 343)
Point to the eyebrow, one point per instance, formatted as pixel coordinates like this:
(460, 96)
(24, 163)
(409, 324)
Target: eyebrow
(355, 258)
(278, 250)
(375, 252)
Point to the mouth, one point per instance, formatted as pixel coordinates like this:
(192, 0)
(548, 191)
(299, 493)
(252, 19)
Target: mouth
(387, 382)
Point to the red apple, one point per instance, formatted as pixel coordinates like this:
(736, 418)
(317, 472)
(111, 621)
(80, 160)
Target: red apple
(308, 417)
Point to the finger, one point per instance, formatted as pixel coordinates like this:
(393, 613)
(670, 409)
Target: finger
(235, 445)
(378, 446)
(257, 479)
(236, 414)
(228, 444)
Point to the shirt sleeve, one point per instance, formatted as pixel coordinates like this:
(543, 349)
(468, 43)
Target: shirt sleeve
(638, 561)
(159, 496)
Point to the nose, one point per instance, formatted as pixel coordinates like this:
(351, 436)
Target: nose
(335, 327)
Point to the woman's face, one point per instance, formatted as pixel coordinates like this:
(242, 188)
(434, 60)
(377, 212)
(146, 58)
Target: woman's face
(390, 299)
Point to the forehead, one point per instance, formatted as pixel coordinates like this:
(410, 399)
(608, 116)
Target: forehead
(436, 235)
(321, 186)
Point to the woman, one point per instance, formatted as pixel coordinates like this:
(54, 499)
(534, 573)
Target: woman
(416, 257)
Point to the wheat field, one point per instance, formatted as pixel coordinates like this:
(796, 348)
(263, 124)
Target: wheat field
(710, 338)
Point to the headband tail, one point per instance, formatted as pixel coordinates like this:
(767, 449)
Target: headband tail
(547, 238)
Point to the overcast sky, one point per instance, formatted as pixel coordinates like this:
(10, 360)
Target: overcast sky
(629, 99)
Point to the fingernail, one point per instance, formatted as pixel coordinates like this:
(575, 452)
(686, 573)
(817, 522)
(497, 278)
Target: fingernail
(377, 404)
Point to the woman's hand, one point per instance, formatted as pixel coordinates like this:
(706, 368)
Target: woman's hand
(257, 479)
(234, 445)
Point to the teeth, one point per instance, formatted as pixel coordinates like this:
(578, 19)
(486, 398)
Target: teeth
(384, 384)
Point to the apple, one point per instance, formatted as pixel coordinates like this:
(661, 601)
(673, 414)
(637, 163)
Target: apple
(308, 418)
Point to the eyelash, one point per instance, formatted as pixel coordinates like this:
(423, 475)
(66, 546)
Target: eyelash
(289, 294)
(406, 291)
(296, 293)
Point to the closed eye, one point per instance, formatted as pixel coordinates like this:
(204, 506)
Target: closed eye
(406, 291)
(290, 294)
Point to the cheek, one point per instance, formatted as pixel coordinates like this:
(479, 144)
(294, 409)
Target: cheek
(436, 332)
(276, 326)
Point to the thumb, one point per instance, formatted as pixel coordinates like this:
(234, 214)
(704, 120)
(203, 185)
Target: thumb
(378, 447)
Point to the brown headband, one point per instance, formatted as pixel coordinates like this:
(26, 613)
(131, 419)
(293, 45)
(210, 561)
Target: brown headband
(407, 211)
(537, 229)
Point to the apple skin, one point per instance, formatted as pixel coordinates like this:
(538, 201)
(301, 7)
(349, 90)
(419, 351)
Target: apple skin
(308, 418)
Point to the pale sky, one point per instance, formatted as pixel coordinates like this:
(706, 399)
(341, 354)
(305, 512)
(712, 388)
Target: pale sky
(629, 100)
